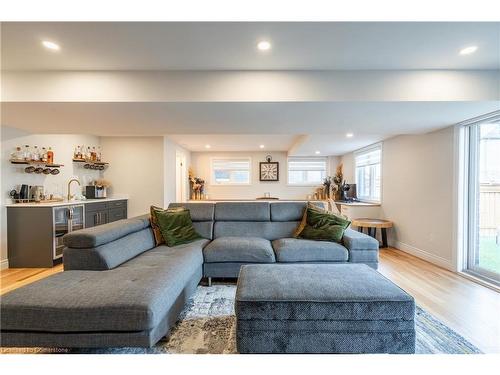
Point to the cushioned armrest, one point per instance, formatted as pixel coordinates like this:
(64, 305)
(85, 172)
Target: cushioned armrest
(354, 240)
(103, 234)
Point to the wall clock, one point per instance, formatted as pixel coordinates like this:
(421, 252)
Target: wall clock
(269, 170)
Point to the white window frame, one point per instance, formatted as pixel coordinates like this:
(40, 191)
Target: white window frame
(372, 147)
(250, 167)
(327, 168)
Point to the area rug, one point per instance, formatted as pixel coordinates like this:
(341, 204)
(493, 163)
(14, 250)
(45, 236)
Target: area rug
(207, 326)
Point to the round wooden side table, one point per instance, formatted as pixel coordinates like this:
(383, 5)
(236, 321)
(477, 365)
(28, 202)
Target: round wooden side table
(372, 225)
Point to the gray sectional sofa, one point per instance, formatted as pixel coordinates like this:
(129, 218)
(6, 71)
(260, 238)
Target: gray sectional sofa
(262, 232)
(118, 289)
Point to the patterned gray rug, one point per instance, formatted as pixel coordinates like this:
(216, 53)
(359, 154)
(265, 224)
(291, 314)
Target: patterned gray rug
(207, 325)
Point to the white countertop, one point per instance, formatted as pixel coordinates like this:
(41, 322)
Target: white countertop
(363, 204)
(65, 202)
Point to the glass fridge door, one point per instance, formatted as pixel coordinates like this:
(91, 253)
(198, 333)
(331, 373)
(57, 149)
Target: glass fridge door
(61, 227)
(77, 217)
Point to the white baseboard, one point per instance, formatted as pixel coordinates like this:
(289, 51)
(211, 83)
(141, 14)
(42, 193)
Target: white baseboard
(4, 264)
(435, 259)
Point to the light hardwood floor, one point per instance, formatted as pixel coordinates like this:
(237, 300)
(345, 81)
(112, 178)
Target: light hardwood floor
(469, 308)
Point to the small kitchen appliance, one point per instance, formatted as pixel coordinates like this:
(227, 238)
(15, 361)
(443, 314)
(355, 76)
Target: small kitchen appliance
(95, 192)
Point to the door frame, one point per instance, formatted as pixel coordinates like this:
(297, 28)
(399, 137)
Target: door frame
(180, 177)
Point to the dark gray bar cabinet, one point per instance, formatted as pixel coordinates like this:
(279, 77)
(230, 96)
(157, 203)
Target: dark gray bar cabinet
(35, 231)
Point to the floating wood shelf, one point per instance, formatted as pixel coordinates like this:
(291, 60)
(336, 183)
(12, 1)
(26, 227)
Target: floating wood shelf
(39, 163)
(90, 162)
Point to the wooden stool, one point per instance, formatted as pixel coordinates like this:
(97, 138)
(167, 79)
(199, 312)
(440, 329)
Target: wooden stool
(372, 225)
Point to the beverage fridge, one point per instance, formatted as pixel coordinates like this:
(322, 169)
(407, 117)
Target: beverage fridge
(66, 219)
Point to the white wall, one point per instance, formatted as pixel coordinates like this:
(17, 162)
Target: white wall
(135, 170)
(13, 175)
(200, 161)
(417, 193)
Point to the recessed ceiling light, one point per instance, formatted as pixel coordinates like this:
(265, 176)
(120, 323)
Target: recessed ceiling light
(349, 135)
(207, 146)
(468, 50)
(264, 45)
(51, 45)
(261, 146)
(317, 152)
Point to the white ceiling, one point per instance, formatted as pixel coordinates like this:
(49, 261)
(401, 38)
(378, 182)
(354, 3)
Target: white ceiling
(303, 127)
(326, 123)
(230, 46)
(235, 142)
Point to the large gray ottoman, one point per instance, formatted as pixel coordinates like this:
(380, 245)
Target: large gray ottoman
(322, 308)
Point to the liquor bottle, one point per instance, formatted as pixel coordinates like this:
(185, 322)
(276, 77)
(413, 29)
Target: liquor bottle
(88, 155)
(99, 153)
(35, 155)
(50, 156)
(79, 152)
(44, 154)
(27, 152)
(93, 154)
(18, 154)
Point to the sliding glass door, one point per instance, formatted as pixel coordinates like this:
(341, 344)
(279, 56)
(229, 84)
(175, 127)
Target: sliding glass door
(483, 244)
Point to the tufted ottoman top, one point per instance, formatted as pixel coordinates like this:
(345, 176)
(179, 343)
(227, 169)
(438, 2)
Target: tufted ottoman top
(319, 292)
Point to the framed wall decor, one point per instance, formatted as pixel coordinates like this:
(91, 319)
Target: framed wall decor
(269, 170)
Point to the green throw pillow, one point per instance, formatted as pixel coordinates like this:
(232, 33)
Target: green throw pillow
(176, 227)
(324, 226)
(318, 217)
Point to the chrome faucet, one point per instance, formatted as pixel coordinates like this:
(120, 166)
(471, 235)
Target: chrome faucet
(69, 187)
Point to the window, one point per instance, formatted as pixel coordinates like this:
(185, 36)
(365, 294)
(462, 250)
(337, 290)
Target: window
(306, 171)
(230, 171)
(368, 173)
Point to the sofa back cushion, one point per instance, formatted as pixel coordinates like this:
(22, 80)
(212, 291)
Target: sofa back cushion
(202, 215)
(109, 255)
(287, 211)
(176, 226)
(198, 211)
(242, 211)
(264, 229)
(103, 234)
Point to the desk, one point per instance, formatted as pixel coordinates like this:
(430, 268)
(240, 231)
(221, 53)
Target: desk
(353, 210)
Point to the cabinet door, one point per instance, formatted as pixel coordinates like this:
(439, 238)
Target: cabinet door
(91, 219)
(103, 217)
(117, 214)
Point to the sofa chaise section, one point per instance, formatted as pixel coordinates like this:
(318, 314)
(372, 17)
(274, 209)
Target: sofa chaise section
(132, 303)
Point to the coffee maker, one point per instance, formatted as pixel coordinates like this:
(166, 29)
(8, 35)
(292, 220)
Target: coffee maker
(348, 192)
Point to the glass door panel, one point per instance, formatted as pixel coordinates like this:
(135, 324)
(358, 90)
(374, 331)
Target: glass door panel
(77, 218)
(61, 227)
(484, 201)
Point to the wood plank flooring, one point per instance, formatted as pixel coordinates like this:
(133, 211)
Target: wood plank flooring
(467, 307)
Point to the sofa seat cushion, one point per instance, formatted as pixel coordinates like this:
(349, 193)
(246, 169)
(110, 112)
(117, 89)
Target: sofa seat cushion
(301, 250)
(133, 297)
(239, 249)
